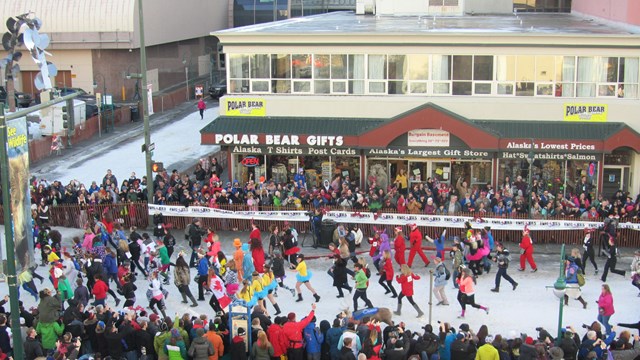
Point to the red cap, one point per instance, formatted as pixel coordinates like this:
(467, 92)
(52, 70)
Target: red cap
(413, 225)
(529, 340)
(291, 316)
(153, 317)
(398, 228)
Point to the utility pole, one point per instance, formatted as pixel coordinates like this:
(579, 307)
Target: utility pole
(8, 237)
(145, 110)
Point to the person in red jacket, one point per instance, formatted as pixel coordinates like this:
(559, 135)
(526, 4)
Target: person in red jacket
(386, 274)
(293, 333)
(276, 336)
(99, 290)
(415, 239)
(526, 251)
(399, 246)
(257, 251)
(406, 282)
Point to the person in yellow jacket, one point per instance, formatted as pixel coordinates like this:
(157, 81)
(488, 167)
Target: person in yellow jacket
(487, 351)
(259, 292)
(303, 277)
(245, 293)
(269, 283)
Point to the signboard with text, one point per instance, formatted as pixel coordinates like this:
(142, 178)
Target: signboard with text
(428, 138)
(585, 112)
(243, 107)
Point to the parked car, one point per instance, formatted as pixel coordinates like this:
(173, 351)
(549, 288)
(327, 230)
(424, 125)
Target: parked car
(219, 89)
(22, 99)
(90, 100)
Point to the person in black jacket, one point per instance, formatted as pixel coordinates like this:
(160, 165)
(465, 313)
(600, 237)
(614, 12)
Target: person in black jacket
(340, 276)
(134, 250)
(589, 252)
(346, 353)
(195, 239)
(612, 258)
(397, 348)
(32, 346)
(460, 347)
(113, 338)
(570, 343)
(129, 290)
(238, 347)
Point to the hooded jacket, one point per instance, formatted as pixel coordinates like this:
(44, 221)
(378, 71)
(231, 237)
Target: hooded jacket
(313, 338)
(201, 349)
(238, 348)
(293, 331)
(275, 333)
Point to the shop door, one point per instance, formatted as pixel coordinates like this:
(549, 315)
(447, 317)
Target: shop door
(612, 181)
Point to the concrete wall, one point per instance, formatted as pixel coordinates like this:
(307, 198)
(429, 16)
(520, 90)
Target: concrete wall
(625, 11)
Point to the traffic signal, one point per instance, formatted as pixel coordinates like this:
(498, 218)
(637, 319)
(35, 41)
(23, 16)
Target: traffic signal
(157, 167)
(65, 117)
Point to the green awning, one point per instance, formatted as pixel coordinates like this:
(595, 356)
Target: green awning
(551, 129)
(290, 125)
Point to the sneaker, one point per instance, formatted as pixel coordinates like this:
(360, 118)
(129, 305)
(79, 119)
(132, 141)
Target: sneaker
(596, 271)
(394, 296)
(520, 269)
(117, 302)
(340, 296)
(534, 270)
(515, 286)
(495, 290)
(460, 316)
(439, 303)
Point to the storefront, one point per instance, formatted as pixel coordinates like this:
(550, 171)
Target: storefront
(427, 142)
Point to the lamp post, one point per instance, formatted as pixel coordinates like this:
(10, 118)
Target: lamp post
(104, 83)
(145, 108)
(186, 69)
(559, 289)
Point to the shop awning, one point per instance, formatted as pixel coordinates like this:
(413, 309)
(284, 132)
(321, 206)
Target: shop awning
(551, 129)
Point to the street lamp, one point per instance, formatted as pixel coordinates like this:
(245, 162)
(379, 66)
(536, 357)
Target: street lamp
(559, 289)
(104, 83)
(145, 109)
(186, 69)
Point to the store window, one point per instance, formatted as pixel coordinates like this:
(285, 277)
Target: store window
(260, 73)
(238, 73)
(475, 173)
(377, 74)
(586, 76)
(322, 74)
(356, 71)
(462, 70)
(578, 169)
(281, 73)
(550, 173)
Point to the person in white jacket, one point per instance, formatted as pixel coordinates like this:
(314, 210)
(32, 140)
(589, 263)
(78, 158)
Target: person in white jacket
(635, 270)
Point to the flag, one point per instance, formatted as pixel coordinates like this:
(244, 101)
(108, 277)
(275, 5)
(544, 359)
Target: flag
(218, 289)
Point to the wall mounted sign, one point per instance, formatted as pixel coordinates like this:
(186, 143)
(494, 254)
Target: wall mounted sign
(585, 112)
(428, 138)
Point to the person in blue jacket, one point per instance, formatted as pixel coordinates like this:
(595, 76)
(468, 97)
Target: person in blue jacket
(203, 274)
(313, 339)
(450, 336)
(439, 243)
(247, 263)
(300, 180)
(111, 267)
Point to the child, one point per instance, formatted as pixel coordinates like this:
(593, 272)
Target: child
(439, 243)
(278, 272)
(386, 274)
(440, 281)
(303, 277)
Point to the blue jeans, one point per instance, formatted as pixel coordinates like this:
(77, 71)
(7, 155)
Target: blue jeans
(502, 273)
(604, 320)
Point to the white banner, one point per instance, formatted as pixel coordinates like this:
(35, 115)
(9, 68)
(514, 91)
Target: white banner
(387, 219)
(428, 138)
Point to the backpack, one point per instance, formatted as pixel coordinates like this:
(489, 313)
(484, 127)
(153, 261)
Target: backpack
(580, 276)
(432, 344)
(447, 273)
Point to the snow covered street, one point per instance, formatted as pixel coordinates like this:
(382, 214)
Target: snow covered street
(530, 306)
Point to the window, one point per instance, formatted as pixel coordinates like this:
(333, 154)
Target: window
(628, 78)
(545, 75)
(301, 69)
(356, 74)
(525, 75)
(281, 73)
(586, 76)
(339, 74)
(398, 74)
(441, 74)
(238, 73)
(377, 73)
(260, 69)
(482, 74)
(505, 74)
(418, 73)
(566, 76)
(462, 75)
(322, 74)
(618, 77)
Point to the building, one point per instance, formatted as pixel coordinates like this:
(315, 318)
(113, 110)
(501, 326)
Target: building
(96, 43)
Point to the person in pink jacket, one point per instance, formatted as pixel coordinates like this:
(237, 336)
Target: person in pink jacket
(467, 291)
(605, 307)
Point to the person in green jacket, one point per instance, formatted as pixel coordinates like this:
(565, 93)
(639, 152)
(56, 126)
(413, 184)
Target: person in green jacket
(159, 341)
(362, 283)
(175, 346)
(49, 333)
(165, 261)
(64, 288)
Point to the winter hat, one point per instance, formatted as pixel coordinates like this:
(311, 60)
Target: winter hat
(398, 228)
(291, 316)
(237, 243)
(556, 353)
(460, 336)
(175, 333)
(528, 340)
(488, 339)
(153, 317)
(245, 247)
(464, 327)
(241, 331)
(413, 225)
(526, 229)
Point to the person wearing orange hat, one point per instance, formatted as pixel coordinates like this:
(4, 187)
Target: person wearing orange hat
(526, 251)
(399, 246)
(238, 257)
(415, 239)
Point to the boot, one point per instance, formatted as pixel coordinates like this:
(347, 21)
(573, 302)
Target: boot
(584, 303)
(278, 312)
(194, 303)
(299, 298)
(495, 289)
(461, 316)
(164, 315)
(566, 300)
(393, 291)
(399, 311)
(184, 298)
(317, 297)
(420, 313)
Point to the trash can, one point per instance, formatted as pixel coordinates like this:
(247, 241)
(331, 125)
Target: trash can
(135, 114)
(326, 232)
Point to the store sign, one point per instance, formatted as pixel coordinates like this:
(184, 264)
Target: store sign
(293, 150)
(269, 139)
(244, 107)
(250, 161)
(457, 153)
(549, 145)
(428, 138)
(585, 112)
(547, 156)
